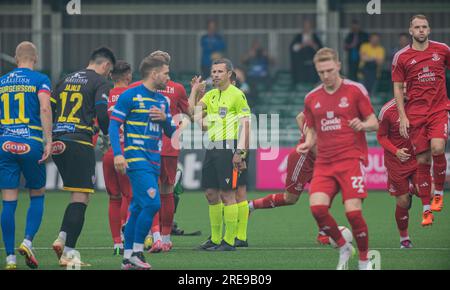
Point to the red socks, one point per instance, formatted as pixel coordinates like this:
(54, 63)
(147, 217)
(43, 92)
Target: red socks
(327, 223)
(402, 218)
(114, 219)
(167, 213)
(439, 168)
(163, 219)
(360, 233)
(155, 224)
(424, 182)
(124, 213)
(269, 201)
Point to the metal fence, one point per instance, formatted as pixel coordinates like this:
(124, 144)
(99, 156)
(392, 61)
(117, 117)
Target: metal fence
(183, 45)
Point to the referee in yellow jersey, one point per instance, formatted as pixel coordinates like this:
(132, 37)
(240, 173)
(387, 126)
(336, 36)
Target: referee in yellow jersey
(227, 118)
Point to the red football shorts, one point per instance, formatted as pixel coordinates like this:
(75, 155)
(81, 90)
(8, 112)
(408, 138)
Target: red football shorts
(169, 166)
(399, 182)
(117, 184)
(422, 130)
(345, 175)
(300, 169)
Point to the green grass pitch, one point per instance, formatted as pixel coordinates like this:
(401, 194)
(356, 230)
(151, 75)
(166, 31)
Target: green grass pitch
(281, 238)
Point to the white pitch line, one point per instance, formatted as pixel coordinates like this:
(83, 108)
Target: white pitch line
(262, 248)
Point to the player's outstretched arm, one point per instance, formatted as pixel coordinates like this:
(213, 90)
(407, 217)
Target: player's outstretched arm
(46, 121)
(400, 100)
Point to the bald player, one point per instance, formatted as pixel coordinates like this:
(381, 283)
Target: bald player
(25, 141)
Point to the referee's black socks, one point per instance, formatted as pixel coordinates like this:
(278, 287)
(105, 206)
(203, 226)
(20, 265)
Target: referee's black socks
(73, 222)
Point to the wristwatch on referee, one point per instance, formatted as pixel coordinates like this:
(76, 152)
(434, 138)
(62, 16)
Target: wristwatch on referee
(241, 152)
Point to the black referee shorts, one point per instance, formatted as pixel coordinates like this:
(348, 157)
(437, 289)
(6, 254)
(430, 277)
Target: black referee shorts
(217, 171)
(76, 164)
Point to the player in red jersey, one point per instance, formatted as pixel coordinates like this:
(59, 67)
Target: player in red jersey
(338, 113)
(422, 66)
(117, 185)
(299, 173)
(162, 222)
(401, 166)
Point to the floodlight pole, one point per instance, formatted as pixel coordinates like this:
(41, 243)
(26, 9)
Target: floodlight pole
(322, 18)
(36, 10)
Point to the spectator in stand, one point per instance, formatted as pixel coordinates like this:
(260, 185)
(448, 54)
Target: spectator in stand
(302, 49)
(238, 79)
(353, 43)
(372, 56)
(212, 44)
(257, 62)
(403, 40)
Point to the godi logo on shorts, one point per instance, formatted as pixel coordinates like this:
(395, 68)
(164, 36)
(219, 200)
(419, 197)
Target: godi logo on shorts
(16, 148)
(58, 147)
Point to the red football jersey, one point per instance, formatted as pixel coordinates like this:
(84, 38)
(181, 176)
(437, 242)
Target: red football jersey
(114, 95)
(424, 74)
(329, 115)
(178, 102)
(389, 137)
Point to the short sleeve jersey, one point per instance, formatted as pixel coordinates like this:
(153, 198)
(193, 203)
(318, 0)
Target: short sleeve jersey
(113, 96)
(19, 103)
(75, 98)
(224, 109)
(330, 114)
(424, 74)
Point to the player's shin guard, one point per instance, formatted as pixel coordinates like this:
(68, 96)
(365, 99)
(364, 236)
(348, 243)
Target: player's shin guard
(230, 216)
(402, 219)
(216, 220)
(360, 233)
(242, 220)
(439, 168)
(73, 222)
(270, 201)
(144, 221)
(34, 216)
(167, 212)
(424, 182)
(115, 219)
(327, 223)
(9, 225)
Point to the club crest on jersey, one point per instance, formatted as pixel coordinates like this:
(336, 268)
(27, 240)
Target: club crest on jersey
(223, 112)
(344, 102)
(58, 147)
(141, 101)
(435, 57)
(16, 148)
(151, 192)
